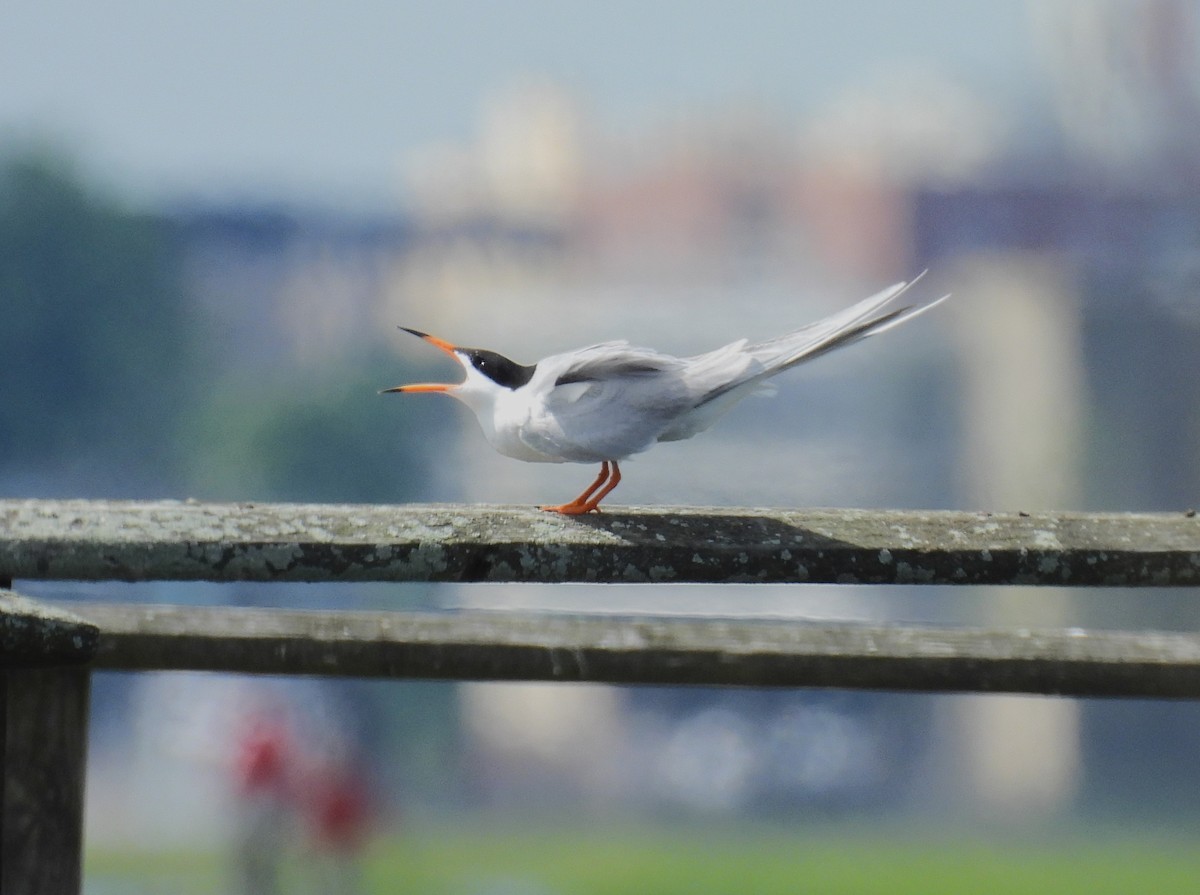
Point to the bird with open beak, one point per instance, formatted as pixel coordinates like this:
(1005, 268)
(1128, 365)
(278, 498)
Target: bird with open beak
(606, 402)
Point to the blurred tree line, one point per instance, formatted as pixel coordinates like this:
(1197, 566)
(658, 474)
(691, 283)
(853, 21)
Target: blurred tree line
(94, 333)
(112, 387)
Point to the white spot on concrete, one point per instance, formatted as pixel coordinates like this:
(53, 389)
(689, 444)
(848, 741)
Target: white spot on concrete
(1043, 539)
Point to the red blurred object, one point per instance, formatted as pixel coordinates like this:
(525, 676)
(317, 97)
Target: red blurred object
(340, 809)
(262, 759)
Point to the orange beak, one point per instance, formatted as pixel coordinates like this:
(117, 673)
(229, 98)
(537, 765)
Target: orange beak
(427, 386)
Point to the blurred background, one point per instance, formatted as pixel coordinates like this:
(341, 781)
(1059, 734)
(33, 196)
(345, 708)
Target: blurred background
(214, 216)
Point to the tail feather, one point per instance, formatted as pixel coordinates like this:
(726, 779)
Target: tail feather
(867, 318)
(835, 331)
(857, 332)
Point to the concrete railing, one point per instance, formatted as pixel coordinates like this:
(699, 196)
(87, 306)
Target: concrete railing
(46, 652)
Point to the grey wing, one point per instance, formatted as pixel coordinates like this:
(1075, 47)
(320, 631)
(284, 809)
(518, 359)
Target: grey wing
(609, 360)
(606, 402)
(764, 359)
(867, 318)
(723, 377)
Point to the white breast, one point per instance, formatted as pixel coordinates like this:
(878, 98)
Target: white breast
(504, 426)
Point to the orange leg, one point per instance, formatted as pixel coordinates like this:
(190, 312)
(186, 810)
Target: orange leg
(585, 502)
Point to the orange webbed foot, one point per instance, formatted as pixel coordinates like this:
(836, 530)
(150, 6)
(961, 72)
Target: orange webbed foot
(586, 502)
(572, 509)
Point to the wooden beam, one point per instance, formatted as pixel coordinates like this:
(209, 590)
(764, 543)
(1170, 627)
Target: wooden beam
(480, 645)
(33, 634)
(43, 736)
(138, 541)
(44, 712)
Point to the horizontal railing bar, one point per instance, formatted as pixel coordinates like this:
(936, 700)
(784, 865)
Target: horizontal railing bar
(33, 634)
(526, 646)
(170, 540)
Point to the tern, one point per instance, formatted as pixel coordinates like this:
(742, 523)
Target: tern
(606, 402)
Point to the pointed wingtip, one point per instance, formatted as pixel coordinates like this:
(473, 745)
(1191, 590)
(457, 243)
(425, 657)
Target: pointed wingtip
(909, 313)
(903, 286)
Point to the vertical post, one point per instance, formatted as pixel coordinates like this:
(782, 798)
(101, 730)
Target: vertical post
(44, 731)
(44, 689)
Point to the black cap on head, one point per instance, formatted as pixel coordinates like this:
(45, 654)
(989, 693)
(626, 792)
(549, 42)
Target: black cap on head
(499, 368)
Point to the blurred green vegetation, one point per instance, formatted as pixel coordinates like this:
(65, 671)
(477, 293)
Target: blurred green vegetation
(314, 437)
(115, 384)
(94, 336)
(112, 382)
(707, 859)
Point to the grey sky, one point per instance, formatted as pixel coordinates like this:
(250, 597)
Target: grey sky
(320, 100)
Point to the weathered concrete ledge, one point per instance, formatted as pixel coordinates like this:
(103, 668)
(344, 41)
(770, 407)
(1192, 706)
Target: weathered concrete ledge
(168, 540)
(33, 634)
(479, 645)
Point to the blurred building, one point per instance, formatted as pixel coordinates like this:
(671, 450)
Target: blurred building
(1126, 84)
(280, 289)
